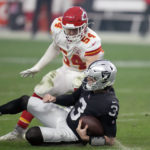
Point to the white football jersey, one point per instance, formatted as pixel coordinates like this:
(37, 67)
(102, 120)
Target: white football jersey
(74, 53)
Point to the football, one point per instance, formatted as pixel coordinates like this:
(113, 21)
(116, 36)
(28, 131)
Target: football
(95, 127)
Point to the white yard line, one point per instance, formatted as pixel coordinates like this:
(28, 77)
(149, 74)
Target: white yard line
(122, 64)
(107, 37)
(134, 114)
(122, 147)
(127, 120)
(17, 60)
(5, 119)
(132, 90)
(21, 60)
(132, 64)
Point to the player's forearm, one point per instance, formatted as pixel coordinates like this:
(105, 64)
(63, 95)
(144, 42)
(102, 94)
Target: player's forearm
(49, 55)
(65, 100)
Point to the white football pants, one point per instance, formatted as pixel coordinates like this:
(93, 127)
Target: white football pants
(58, 82)
(53, 117)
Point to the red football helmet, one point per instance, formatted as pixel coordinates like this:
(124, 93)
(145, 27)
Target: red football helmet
(75, 22)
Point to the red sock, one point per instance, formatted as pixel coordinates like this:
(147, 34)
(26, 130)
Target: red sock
(26, 117)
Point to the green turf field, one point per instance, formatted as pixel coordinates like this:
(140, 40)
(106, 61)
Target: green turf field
(132, 88)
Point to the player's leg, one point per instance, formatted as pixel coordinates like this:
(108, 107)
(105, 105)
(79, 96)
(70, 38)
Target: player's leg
(54, 118)
(47, 84)
(56, 82)
(20, 129)
(27, 117)
(14, 107)
(46, 135)
(59, 82)
(49, 114)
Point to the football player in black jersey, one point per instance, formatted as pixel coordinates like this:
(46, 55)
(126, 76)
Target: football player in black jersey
(95, 97)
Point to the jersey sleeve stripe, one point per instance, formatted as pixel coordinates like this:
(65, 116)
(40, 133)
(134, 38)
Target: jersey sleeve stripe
(65, 52)
(94, 52)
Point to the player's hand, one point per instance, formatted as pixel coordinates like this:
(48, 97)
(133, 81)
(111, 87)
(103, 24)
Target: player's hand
(109, 140)
(29, 72)
(49, 98)
(82, 132)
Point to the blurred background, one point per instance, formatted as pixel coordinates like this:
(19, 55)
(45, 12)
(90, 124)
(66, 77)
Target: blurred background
(128, 19)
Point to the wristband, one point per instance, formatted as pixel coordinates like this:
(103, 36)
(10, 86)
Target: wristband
(97, 141)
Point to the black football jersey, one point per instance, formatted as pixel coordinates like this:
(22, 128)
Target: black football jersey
(102, 105)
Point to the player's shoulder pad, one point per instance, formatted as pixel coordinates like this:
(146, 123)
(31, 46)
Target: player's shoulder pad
(92, 43)
(56, 26)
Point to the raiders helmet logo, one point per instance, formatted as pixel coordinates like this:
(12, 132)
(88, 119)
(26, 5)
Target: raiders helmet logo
(105, 76)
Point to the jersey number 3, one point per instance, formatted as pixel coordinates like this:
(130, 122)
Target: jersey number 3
(75, 116)
(113, 110)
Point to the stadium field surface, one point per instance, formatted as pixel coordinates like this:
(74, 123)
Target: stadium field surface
(132, 88)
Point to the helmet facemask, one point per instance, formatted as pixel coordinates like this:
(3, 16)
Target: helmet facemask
(79, 33)
(90, 85)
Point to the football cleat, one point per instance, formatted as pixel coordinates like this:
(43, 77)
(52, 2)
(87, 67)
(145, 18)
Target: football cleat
(12, 136)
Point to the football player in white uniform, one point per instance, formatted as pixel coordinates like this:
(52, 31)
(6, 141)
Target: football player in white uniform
(79, 45)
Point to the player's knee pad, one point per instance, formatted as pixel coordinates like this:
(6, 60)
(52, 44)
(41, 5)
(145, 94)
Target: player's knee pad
(34, 136)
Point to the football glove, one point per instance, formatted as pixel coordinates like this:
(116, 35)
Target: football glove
(29, 72)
